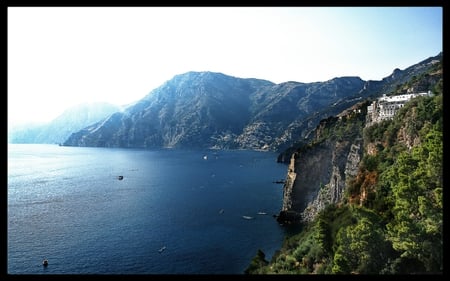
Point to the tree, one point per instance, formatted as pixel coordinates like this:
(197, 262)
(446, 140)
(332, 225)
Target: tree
(361, 249)
(258, 262)
(416, 229)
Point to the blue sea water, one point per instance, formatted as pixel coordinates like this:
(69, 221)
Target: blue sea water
(66, 204)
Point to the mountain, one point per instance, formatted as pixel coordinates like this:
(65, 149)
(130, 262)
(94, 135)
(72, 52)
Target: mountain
(59, 129)
(369, 195)
(214, 110)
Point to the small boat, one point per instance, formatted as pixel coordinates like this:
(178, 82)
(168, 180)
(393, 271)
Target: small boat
(45, 262)
(120, 178)
(205, 157)
(247, 217)
(162, 249)
(221, 211)
(280, 182)
(262, 213)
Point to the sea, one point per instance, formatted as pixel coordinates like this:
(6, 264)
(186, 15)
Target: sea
(140, 211)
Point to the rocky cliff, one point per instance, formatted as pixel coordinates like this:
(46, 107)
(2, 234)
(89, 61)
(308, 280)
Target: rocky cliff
(321, 168)
(318, 172)
(369, 196)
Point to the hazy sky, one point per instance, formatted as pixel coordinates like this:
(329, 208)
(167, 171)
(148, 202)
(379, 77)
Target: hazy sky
(62, 56)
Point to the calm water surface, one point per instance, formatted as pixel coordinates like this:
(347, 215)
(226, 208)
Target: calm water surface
(67, 205)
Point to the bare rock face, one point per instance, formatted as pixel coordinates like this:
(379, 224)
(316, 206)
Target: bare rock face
(318, 172)
(332, 192)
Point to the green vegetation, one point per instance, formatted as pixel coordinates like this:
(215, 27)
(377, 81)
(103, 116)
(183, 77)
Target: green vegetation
(391, 219)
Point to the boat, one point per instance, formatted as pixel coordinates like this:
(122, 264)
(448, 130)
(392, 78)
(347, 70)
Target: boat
(262, 213)
(205, 157)
(247, 217)
(162, 249)
(280, 182)
(221, 211)
(45, 262)
(120, 178)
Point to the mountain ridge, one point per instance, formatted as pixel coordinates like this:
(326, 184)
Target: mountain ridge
(214, 110)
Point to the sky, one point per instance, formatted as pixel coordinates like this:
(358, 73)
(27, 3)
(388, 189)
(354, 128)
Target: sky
(59, 57)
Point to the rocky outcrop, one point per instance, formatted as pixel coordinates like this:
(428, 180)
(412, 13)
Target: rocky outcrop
(333, 191)
(318, 172)
(289, 184)
(328, 157)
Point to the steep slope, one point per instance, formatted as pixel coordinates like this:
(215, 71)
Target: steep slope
(322, 168)
(318, 172)
(191, 110)
(213, 110)
(283, 111)
(418, 78)
(369, 198)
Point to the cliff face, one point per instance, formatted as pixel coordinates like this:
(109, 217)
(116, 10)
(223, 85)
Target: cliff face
(317, 173)
(321, 167)
(379, 187)
(332, 192)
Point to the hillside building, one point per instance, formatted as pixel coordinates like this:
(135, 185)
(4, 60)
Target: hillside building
(385, 107)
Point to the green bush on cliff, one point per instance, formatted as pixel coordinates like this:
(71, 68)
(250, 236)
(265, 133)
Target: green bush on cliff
(257, 263)
(397, 226)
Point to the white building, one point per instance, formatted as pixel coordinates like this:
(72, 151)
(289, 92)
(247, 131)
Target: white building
(385, 107)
